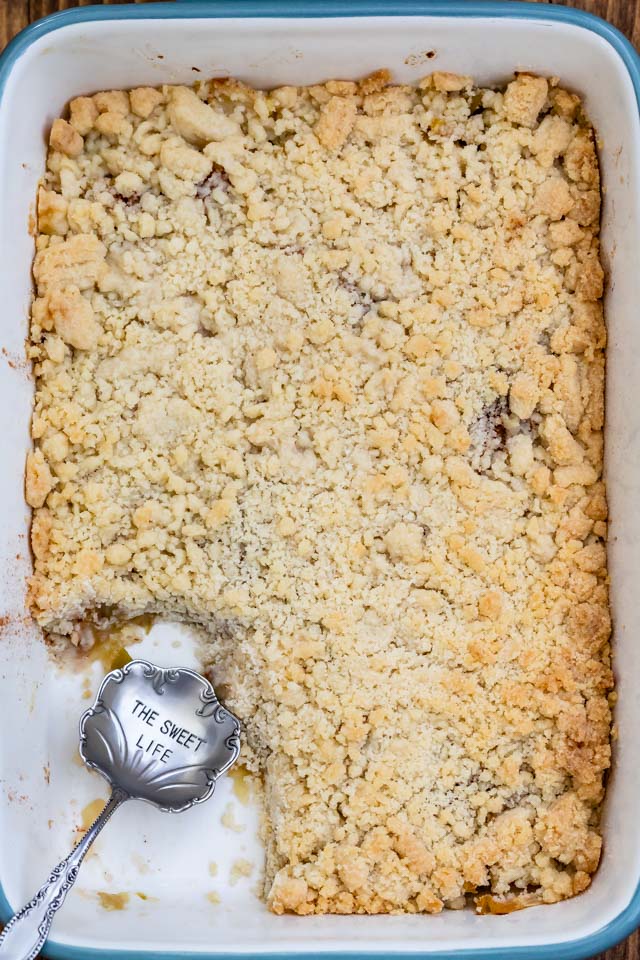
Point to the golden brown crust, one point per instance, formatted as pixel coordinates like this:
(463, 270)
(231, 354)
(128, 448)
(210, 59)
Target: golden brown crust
(65, 139)
(82, 114)
(524, 99)
(322, 370)
(375, 81)
(65, 311)
(38, 480)
(449, 82)
(52, 213)
(112, 101)
(336, 120)
(144, 100)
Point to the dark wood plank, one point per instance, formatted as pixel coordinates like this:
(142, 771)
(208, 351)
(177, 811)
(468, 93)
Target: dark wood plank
(14, 15)
(624, 14)
(42, 8)
(627, 950)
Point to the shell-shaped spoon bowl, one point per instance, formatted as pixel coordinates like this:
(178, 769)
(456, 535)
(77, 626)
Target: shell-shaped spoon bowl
(159, 735)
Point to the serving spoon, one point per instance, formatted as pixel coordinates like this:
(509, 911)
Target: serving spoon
(154, 734)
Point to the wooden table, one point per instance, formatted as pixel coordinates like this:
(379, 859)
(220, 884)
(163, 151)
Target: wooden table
(624, 14)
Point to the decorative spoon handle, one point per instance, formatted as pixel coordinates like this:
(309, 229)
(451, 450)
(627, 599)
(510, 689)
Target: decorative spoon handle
(26, 932)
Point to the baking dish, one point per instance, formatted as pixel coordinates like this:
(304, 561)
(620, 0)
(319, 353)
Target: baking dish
(162, 865)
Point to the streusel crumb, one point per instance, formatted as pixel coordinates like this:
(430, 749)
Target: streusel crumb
(321, 370)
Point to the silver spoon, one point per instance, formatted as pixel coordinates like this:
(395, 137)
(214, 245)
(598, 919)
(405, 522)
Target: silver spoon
(156, 735)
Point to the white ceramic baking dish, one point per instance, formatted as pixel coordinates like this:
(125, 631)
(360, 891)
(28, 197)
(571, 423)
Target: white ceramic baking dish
(42, 787)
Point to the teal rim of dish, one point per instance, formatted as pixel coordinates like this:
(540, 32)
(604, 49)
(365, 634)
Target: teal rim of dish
(629, 918)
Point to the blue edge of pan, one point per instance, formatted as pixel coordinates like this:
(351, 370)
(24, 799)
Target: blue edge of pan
(629, 918)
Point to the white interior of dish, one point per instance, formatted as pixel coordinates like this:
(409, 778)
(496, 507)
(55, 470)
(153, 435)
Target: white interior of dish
(167, 857)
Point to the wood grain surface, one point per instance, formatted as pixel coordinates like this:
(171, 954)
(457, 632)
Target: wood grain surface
(624, 14)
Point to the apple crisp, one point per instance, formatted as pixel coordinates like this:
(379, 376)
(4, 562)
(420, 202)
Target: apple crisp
(321, 370)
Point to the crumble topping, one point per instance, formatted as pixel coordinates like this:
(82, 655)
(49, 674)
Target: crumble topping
(321, 370)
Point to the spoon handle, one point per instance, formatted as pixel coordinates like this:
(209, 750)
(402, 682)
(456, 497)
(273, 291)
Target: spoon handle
(25, 934)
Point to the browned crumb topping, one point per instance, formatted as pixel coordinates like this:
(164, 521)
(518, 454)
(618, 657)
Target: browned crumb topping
(321, 369)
